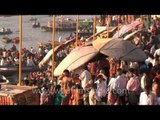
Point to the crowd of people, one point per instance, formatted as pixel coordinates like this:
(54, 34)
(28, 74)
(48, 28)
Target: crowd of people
(111, 82)
(102, 82)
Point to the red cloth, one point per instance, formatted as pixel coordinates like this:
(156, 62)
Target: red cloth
(112, 71)
(103, 63)
(158, 76)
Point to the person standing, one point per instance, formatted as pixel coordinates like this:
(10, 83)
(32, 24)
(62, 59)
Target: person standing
(85, 76)
(59, 96)
(101, 89)
(92, 95)
(146, 97)
(133, 87)
(120, 86)
(66, 86)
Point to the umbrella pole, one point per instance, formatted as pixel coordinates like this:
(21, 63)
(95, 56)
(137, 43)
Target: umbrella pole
(20, 50)
(77, 24)
(53, 37)
(142, 22)
(129, 19)
(125, 19)
(94, 27)
(147, 18)
(141, 18)
(108, 26)
(118, 26)
(132, 18)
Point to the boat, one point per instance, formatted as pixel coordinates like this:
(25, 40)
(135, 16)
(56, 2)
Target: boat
(61, 24)
(44, 44)
(15, 40)
(10, 70)
(3, 80)
(5, 31)
(85, 33)
(6, 40)
(33, 19)
(85, 28)
(36, 24)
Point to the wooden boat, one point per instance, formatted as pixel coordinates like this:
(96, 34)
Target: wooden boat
(85, 28)
(33, 19)
(44, 44)
(6, 40)
(84, 34)
(36, 25)
(61, 24)
(5, 31)
(15, 40)
(10, 70)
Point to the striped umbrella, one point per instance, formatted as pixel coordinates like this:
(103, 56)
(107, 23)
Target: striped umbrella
(126, 28)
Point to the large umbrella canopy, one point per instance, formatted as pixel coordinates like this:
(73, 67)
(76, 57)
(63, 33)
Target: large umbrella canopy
(121, 50)
(90, 39)
(77, 57)
(56, 50)
(135, 23)
(126, 28)
(131, 35)
(99, 43)
(122, 31)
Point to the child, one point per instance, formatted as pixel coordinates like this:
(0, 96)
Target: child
(58, 95)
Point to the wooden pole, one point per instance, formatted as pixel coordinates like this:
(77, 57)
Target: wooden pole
(125, 19)
(94, 27)
(129, 17)
(20, 50)
(53, 37)
(118, 26)
(77, 25)
(132, 18)
(108, 19)
(142, 22)
(141, 18)
(147, 18)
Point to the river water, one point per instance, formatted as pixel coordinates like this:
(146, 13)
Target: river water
(31, 36)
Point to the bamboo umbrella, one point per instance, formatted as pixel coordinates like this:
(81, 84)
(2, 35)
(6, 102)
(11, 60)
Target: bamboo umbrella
(53, 37)
(125, 19)
(94, 27)
(129, 19)
(118, 26)
(132, 18)
(108, 19)
(77, 24)
(20, 50)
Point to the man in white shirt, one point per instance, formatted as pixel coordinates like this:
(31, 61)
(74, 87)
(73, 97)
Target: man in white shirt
(146, 97)
(120, 86)
(150, 59)
(101, 88)
(16, 61)
(33, 51)
(85, 76)
(157, 52)
(30, 62)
